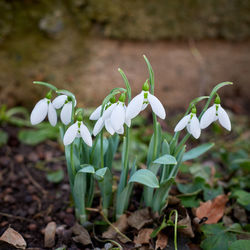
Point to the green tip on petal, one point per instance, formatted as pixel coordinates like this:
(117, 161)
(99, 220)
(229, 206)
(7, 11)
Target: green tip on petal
(112, 99)
(122, 97)
(145, 86)
(193, 110)
(217, 99)
(49, 95)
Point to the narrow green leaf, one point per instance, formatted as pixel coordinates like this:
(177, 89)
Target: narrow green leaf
(67, 93)
(49, 85)
(218, 86)
(100, 173)
(3, 137)
(166, 160)
(145, 177)
(196, 152)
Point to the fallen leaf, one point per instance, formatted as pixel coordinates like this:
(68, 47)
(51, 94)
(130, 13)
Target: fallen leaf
(188, 229)
(49, 234)
(162, 241)
(82, 235)
(143, 236)
(212, 209)
(121, 225)
(139, 218)
(13, 238)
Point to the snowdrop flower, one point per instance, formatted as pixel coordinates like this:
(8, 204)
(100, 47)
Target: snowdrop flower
(78, 129)
(192, 124)
(141, 101)
(43, 108)
(214, 113)
(118, 116)
(104, 119)
(64, 102)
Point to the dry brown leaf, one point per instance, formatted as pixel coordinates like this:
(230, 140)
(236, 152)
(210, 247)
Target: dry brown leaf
(139, 218)
(121, 225)
(188, 229)
(49, 234)
(212, 209)
(13, 238)
(82, 235)
(143, 236)
(162, 241)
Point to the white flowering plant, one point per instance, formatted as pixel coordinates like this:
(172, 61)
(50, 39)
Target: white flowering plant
(89, 162)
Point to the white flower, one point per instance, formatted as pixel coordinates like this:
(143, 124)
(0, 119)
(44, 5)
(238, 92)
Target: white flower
(141, 101)
(214, 113)
(64, 102)
(78, 129)
(43, 108)
(113, 117)
(192, 124)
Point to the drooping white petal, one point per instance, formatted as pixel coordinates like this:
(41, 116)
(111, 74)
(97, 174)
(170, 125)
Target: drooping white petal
(135, 106)
(120, 131)
(128, 122)
(66, 113)
(224, 118)
(59, 101)
(107, 113)
(208, 117)
(70, 134)
(96, 114)
(195, 127)
(118, 116)
(156, 105)
(188, 128)
(182, 123)
(52, 116)
(39, 112)
(144, 105)
(85, 134)
(109, 127)
(98, 126)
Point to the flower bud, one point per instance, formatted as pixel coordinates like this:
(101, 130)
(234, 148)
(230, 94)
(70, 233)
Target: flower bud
(217, 99)
(112, 99)
(122, 97)
(145, 86)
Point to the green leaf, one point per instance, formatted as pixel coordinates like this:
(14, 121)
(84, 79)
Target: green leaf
(85, 168)
(243, 197)
(166, 160)
(218, 86)
(79, 192)
(145, 177)
(217, 237)
(191, 187)
(240, 245)
(100, 173)
(210, 193)
(50, 86)
(36, 136)
(3, 137)
(196, 152)
(55, 176)
(189, 201)
(161, 194)
(201, 171)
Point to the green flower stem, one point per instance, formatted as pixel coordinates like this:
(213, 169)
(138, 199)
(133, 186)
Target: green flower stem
(102, 154)
(175, 227)
(93, 149)
(72, 159)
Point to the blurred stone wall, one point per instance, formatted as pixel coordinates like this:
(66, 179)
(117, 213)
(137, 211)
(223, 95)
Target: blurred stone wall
(79, 44)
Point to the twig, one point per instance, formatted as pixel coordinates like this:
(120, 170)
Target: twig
(34, 181)
(115, 228)
(15, 217)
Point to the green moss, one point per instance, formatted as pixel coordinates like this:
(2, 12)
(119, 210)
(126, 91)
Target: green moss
(135, 19)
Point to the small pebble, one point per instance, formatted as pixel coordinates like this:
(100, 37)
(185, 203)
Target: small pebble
(32, 227)
(19, 158)
(69, 210)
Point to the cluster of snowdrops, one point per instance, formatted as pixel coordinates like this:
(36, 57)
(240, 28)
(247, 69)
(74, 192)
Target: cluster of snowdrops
(90, 162)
